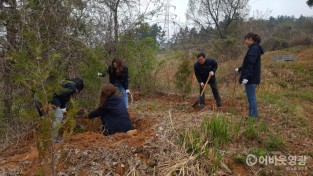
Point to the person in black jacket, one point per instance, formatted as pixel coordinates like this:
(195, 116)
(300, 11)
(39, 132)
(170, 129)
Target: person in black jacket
(112, 111)
(59, 101)
(203, 67)
(251, 70)
(118, 76)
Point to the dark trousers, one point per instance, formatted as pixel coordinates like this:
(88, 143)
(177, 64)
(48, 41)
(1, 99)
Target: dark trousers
(215, 92)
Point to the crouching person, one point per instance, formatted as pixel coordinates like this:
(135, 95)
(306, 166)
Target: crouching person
(59, 101)
(112, 112)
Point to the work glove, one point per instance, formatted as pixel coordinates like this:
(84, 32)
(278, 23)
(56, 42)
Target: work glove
(244, 81)
(127, 91)
(99, 74)
(211, 73)
(201, 84)
(236, 70)
(64, 111)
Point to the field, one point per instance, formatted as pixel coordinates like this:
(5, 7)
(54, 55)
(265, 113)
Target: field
(174, 139)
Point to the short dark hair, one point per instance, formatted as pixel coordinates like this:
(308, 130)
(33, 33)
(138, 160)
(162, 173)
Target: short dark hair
(255, 37)
(201, 54)
(79, 83)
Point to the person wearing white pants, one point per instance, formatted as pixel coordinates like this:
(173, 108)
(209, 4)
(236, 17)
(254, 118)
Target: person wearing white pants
(60, 100)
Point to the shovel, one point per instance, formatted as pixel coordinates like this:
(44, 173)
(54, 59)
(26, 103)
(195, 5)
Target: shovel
(232, 108)
(200, 97)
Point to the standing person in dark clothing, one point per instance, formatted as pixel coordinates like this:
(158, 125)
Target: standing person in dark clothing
(59, 101)
(118, 76)
(251, 70)
(203, 67)
(112, 111)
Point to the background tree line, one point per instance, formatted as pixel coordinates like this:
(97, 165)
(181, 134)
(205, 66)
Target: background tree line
(277, 33)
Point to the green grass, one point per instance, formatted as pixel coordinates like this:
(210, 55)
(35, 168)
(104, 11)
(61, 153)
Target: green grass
(240, 159)
(260, 152)
(251, 131)
(216, 130)
(285, 104)
(236, 128)
(214, 133)
(217, 158)
(274, 143)
(191, 141)
(270, 98)
(301, 94)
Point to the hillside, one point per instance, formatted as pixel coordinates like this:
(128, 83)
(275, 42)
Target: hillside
(169, 140)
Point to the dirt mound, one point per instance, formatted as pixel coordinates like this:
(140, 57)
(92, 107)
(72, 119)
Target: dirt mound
(23, 157)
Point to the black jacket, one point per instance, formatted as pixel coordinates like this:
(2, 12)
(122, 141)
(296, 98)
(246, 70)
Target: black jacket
(123, 78)
(251, 65)
(114, 115)
(202, 71)
(62, 98)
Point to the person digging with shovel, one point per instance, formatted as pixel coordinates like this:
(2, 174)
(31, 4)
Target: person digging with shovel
(205, 70)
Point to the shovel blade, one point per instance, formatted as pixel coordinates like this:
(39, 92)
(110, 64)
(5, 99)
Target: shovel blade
(198, 101)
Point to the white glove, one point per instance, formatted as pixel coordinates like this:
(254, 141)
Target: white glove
(211, 73)
(63, 110)
(244, 81)
(236, 70)
(201, 84)
(127, 91)
(99, 74)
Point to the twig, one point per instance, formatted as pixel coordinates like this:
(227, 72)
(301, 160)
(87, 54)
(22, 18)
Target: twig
(132, 172)
(170, 115)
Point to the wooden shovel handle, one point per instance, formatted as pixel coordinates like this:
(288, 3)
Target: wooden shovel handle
(235, 84)
(206, 83)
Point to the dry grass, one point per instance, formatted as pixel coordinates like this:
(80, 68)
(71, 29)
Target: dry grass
(284, 127)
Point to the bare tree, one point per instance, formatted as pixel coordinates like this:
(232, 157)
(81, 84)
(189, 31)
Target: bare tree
(220, 13)
(310, 3)
(113, 6)
(111, 18)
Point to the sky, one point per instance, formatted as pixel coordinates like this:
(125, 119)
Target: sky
(266, 7)
(258, 8)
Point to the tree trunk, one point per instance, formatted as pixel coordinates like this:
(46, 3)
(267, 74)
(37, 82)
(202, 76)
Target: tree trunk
(114, 9)
(115, 25)
(11, 33)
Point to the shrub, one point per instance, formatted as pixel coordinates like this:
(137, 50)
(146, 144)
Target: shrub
(273, 44)
(183, 76)
(214, 132)
(140, 56)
